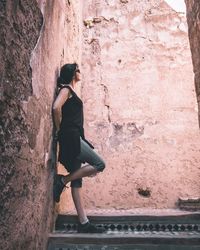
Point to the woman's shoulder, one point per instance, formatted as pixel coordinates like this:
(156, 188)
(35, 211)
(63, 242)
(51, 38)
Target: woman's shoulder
(68, 86)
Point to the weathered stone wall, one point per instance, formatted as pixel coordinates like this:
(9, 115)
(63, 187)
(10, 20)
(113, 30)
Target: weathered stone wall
(140, 104)
(193, 12)
(36, 38)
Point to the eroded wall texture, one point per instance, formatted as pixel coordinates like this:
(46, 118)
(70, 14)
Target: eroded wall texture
(140, 105)
(36, 38)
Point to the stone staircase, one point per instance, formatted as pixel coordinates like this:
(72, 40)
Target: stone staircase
(129, 231)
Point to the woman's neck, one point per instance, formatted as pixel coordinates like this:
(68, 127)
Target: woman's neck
(73, 84)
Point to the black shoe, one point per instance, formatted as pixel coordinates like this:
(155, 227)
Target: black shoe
(58, 187)
(89, 228)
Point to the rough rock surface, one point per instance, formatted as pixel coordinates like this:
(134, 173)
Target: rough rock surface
(193, 12)
(140, 104)
(32, 48)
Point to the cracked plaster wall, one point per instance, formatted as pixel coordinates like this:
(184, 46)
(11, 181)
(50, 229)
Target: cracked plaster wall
(140, 104)
(36, 38)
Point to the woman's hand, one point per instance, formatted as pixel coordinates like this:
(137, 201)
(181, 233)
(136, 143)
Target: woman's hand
(57, 106)
(56, 135)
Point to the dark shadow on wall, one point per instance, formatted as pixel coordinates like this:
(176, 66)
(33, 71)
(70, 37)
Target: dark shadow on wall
(26, 208)
(193, 20)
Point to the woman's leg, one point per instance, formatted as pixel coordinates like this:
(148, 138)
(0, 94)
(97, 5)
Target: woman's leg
(84, 225)
(96, 163)
(87, 154)
(81, 172)
(78, 202)
(75, 177)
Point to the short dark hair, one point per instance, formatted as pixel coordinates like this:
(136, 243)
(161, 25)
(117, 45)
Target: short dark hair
(67, 72)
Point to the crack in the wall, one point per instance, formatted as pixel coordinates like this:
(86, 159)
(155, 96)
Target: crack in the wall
(105, 89)
(34, 52)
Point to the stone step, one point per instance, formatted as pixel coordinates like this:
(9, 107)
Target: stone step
(143, 231)
(145, 222)
(125, 241)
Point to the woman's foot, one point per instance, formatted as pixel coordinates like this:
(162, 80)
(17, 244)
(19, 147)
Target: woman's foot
(89, 228)
(58, 187)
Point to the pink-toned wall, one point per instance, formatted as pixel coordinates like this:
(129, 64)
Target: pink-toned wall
(59, 43)
(140, 105)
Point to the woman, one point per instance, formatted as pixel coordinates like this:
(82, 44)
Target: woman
(74, 149)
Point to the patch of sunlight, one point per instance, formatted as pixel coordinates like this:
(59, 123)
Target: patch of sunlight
(177, 5)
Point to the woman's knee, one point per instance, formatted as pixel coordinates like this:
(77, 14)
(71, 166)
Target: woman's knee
(101, 166)
(76, 183)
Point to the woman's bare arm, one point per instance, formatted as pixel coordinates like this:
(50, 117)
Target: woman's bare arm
(60, 100)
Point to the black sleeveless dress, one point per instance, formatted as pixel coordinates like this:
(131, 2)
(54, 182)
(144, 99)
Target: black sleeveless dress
(71, 129)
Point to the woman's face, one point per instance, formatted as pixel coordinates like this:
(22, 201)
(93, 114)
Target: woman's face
(77, 75)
